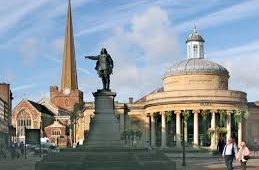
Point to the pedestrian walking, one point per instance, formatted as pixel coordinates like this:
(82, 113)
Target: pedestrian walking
(221, 145)
(243, 155)
(147, 146)
(229, 153)
(22, 148)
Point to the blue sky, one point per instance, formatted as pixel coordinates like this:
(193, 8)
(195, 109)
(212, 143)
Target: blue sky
(144, 37)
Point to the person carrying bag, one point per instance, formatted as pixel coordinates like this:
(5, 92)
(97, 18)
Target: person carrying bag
(243, 155)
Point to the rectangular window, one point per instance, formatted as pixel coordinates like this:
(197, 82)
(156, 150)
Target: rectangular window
(56, 133)
(195, 51)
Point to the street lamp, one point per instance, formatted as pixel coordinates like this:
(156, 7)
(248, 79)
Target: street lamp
(149, 120)
(67, 131)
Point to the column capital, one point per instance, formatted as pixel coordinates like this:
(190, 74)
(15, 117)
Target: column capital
(230, 111)
(196, 111)
(213, 111)
(177, 111)
(162, 112)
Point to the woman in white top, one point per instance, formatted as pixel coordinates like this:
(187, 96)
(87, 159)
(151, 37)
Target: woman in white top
(243, 151)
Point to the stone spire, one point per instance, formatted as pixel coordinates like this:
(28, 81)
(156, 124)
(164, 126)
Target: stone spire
(69, 72)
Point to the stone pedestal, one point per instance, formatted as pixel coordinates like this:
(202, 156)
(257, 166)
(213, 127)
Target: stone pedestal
(105, 131)
(104, 101)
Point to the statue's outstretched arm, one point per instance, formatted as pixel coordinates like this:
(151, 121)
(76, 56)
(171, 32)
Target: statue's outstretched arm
(92, 57)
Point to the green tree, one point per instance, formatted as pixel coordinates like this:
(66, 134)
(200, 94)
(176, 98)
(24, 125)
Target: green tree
(75, 115)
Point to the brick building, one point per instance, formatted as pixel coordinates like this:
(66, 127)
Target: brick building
(53, 114)
(32, 116)
(5, 110)
(57, 133)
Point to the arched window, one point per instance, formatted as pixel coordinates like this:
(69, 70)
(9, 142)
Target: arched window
(66, 102)
(23, 120)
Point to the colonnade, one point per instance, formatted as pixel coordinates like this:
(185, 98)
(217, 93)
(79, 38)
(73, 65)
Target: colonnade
(195, 128)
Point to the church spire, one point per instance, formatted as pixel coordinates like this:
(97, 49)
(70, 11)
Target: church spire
(69, 72)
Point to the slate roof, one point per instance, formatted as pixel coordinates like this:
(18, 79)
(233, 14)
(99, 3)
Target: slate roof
(41, 108)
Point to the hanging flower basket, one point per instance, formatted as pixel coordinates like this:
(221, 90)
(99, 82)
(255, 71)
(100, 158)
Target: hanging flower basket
(186, 114)
(205, 114)
(168, 116)
(156, 117)
(222, 116)
(221, 131)
(131, 134)
(210, 132)
(237, 115)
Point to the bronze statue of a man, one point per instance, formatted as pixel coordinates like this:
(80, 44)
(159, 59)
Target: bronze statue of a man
(104, 66)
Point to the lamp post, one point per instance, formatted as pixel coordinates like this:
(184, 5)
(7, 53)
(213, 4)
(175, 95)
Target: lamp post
(67, 132)
(149, 121)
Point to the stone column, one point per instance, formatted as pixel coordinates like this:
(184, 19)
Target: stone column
(213, 145)
(163, 130)
(196, 128)
(240, 130)
(153, 132)
(122, 123)
(228, 125)
(178, 128)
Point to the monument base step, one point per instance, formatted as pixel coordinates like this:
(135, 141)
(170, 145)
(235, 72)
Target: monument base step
(106, 160)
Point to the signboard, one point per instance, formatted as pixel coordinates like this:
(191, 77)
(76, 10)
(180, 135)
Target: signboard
(32, 136)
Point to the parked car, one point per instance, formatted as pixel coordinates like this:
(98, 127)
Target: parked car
(46, 148)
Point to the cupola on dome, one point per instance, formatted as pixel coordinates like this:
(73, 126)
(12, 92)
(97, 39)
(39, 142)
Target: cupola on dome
(196, 64)
(195, 36)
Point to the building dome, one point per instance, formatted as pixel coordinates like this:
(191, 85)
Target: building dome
(196, 66)
(195, 36)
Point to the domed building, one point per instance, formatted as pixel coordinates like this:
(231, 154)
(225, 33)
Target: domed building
(195, 101)
(194, 104)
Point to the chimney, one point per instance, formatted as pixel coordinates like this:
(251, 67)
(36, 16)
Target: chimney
(130, 100)
(5, 92)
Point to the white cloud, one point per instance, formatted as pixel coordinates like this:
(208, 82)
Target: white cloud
(242, 63)
(24, 87)
(141, 53)
(60, 9)
(19, 12)
(230, 14)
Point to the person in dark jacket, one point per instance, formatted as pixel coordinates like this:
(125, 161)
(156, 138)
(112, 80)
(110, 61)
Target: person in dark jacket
(221, 145)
